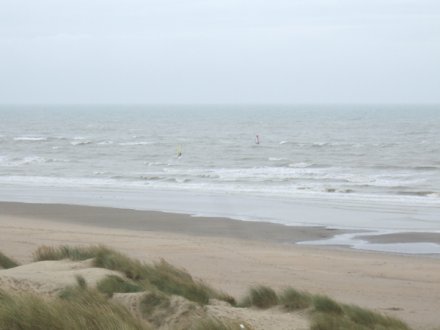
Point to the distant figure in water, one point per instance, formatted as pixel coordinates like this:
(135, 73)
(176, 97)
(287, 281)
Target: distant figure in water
(257, 139)
(179, 152)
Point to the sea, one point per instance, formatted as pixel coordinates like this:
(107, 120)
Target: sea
(368, 167)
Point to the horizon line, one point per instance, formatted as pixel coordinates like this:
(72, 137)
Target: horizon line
(209, 104)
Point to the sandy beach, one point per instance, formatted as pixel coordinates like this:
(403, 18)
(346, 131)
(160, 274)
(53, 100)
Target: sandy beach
(232, 255)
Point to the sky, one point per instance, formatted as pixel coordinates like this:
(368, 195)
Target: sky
(219, 51)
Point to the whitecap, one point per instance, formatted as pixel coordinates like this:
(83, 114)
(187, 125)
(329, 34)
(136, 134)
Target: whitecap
(29, 138)
(154, 163)
(135, 143)
(300, 164)
(320, 144)
(8, 162)
(79, 143)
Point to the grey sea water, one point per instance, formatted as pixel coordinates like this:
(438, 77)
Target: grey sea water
(362, 167)
(355, 152)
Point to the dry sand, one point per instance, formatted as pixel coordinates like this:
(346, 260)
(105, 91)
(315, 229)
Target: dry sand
(49, 277)
(214, 250)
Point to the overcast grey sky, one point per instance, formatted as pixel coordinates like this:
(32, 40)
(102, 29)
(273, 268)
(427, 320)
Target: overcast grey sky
(219, 51)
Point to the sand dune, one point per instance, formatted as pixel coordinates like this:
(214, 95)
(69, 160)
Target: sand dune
(406, 287)
(50, 277)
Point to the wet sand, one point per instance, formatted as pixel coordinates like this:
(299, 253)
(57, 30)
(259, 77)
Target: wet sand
(165, 222)
(232, 255)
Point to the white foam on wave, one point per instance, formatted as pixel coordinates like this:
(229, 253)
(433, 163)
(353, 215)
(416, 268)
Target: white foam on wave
(80, 142)
(105, 142)
(276, 159)
(138, 143)
(300, 177)
(30, 138)
(300, 164)
(14, 162)
(154, 163)
(210, 183)
(320, 144)
(47, 181)
(396, 182)
(99, 172)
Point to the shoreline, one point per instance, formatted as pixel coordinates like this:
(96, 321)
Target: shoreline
(158, 221)
(404, 286)
(403, 237)
(182, 223)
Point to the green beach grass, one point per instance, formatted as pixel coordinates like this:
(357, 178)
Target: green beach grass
(6, 262)
(292, 299)
(216, 324)
(325, 313)
(161, 275)
(81, 307)
(76, 309)
(260, 296)
(112, 284)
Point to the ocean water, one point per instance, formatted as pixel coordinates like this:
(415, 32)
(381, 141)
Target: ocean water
(354, 154)
(373, 152)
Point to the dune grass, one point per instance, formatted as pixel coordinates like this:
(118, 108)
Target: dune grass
(322, 321)
(330, 315)
(6, 262)
(325, 313)
(81, 309)
(326, 305)
(170, 279)
(65, 252)
(265, 297)
(261, 296)
(155, 307)
(292, 299)
(372, 319)
(161, 275)
(153, 300)
(110, 259)
(212, 323)
(163, 279)
(112, 284)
